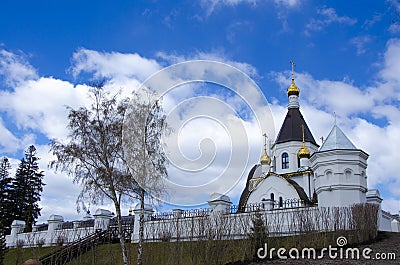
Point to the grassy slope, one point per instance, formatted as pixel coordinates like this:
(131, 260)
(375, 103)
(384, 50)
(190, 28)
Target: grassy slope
(19, 255)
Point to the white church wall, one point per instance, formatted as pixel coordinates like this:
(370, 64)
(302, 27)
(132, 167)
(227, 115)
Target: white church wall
(306, 182)
(258, 172)
(54, 233)
(49, 238)
(340, 178)
(385, 222)
(220, 225)
(273, 184)
(225, 226)
(291, 148)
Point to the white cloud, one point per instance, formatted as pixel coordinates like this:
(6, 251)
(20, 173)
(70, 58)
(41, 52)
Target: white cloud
(9, 143)
(340, 97)
(15, 69)
(394, 28)
(360, 43)
(391, 65)
(236, 27)
(36, 104)
(213, 114)
(380, 144)
(113, 65)
(211, 5)
(327, 16)
(59, 193)
(287, 3)
(218, 56)
(370, 22)
(41, 105)
(391, 205)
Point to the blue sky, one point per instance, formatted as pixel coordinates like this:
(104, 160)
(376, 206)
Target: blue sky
(346, 54)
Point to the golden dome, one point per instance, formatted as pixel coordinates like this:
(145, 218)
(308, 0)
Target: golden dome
(265, 159)
(303, 152)
(293, 89)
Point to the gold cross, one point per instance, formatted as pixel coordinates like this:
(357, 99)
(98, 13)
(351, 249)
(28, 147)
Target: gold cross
(265, 140)
(293, 65)
(334, 113)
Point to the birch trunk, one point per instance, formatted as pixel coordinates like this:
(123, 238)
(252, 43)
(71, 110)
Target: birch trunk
(121, 236)
(141, 228)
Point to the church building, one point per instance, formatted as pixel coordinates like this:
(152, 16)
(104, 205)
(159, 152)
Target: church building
(296, 169)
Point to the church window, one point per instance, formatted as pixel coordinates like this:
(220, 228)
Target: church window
(285, 160)
(280, 202)
(328, 175)
(272, 196)
(348, 174)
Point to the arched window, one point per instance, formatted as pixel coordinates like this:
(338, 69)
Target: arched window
(274, 163)
(280, 202)
(347, 173)
(285, 160)
(272, 200)
(328, 175)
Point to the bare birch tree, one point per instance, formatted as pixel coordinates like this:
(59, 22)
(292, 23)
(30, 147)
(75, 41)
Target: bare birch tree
(144, 125)
(93, 154)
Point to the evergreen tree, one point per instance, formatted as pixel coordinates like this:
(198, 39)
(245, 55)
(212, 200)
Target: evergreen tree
(259, 232)
(6, 214)
(3, 247)
(27, 187)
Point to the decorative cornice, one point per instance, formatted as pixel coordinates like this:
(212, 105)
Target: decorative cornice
(298, 173)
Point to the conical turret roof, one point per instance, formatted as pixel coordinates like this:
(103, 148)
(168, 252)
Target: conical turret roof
(291, 128)
(337, 140)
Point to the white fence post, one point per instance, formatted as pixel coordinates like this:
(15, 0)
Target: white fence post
(395, 226)
(219, 203)
(55, 222)
(148, 211)
(17, 227)
(102, 219)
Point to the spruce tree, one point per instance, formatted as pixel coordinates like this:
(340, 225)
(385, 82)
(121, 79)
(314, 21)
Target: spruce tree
(3, 247)
(6, 213)
(27, 187)
(259, 232)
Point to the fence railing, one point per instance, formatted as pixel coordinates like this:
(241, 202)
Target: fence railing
(180, 214)
(77, 248)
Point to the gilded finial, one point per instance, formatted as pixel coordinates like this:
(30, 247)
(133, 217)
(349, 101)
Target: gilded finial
(303, 152)
(293, 89)
(265, 159)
